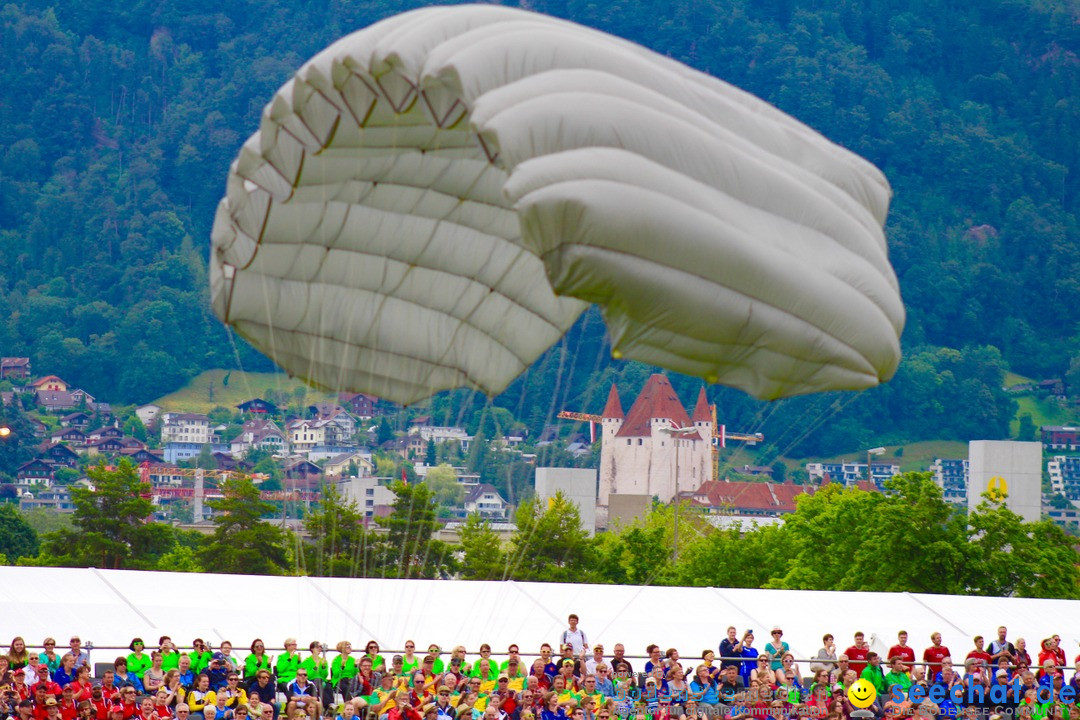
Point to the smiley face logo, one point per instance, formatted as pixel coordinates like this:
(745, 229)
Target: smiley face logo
(862, 694)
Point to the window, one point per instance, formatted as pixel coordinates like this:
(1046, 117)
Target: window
(639, 441)
(369, 491)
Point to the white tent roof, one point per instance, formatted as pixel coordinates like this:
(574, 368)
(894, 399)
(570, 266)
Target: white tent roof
(109, 607)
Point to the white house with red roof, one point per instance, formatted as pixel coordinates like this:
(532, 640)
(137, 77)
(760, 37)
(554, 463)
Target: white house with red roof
(638, 457)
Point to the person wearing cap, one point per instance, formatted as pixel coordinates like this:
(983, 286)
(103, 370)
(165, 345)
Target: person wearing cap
(218, 672)
(116, 712)
(100, 703)
(512, 653)
(52, 688)
(443, 706)
(385, 697)
(436, 652)
(567, 673)
(69, 706)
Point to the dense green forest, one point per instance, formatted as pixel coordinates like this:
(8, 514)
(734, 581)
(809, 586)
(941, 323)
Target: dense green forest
(118, 122)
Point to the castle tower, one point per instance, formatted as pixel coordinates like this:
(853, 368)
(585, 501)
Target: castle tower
(612, 421)
(703, 421)
(643, 458)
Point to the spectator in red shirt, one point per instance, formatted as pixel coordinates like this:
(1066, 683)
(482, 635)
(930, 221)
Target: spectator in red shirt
(1048, 652)
(979, 653)
(1059, 652)
(69, 708)
(933, 656)
(857, 653)
(82, 685)
(100, 703)
(904, 651)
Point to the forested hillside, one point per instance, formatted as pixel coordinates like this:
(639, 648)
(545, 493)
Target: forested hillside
(118, 122)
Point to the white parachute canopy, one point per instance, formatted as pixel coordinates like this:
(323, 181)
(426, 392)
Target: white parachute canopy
(431, 202)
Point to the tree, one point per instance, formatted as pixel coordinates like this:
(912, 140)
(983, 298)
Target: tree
(409, 548)
(1027, 429)
(849, 539)
(385, 433)
(549, 544)
(340, 545)
(483, 557)
(442, 480)
(17, 538)
(1005, 556)
(17, 446)
(243, 542)
(429, 453)
(111, 530)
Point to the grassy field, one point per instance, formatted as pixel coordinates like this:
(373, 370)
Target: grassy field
(1043, 411)
(196, 397)
(913, 456)
(1012, 378)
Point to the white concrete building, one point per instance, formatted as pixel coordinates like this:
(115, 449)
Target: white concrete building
(366, 492)
(638, 457)
(1011, 468)
(185, 428)
(578, 485)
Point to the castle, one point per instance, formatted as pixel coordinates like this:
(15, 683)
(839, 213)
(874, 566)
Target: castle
(638, 457)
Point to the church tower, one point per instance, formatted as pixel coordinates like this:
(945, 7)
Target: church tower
(703, 421)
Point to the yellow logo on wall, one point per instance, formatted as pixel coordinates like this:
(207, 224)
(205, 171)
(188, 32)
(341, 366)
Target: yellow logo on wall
(997, 488)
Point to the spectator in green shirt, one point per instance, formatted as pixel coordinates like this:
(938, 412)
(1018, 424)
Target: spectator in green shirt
(138, 662)
(897, 674)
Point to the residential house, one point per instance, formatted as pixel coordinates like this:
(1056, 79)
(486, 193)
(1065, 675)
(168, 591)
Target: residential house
(104, 446)
(951, 475)
(103, 410)
(1059, 437)
(485, 501)
(360, 405)
(35, 472)
(342, 425)
(147, 414)
(851, 473)
(78, 419)
(747, 499)
(175, 452)
(307, 434)
(109, 431)
(185, 428)
(60, 455)
(49, 382)
(303, 470)
(262, 433)
(14, 368)
(1054, 387)
(57, 499)
(82, 397)
(367, 493)
(71, 436)
(142, 455)
(258, 406)
(338, 466)
(56, 400)
(40, 428)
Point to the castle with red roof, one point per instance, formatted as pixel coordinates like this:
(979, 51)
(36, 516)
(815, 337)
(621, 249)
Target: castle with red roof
(638, 456)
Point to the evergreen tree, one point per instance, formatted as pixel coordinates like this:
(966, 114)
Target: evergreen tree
(549, 543)
(17, 538)
(484, 558)
(340, 545)
(409, 548)
(111, 529)
(243, 542)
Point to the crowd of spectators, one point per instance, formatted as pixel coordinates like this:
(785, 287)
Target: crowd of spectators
(568, 681)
